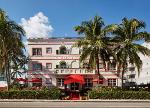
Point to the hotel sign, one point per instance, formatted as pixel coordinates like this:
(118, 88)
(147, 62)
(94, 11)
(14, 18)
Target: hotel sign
(66, 58)
(72, 57)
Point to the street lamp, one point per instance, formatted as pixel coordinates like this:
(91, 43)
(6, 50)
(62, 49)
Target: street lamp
(111, 59)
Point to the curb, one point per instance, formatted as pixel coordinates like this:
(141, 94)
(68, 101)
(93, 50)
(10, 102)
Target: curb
(90, 100)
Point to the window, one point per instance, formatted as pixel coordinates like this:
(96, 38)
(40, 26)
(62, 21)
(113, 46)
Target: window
(48, 50)
(132, 69)
(101, 66)
(57, 66)
(112, 82)
(37, 66)
(88, 83)
(48, 81)
(36, 51)
(37, 83)
(63, 50)
(132, 76)
(63, 65)
(2, 78)
(57, 51)
(74, 86)
(112, 66)
(48, 65)
(60, 82)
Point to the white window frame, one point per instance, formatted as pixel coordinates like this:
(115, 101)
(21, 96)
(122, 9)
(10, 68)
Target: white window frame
(38, 51)
(61, 82)
(111, 66)
(88, 81)
(101, 66)
(112, 82)
(48, 80)
(35, 68)
(48, 50)
(48, 64)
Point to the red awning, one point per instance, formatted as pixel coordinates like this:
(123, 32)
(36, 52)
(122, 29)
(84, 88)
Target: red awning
(38, 80)
(74, 78)
(21, 79)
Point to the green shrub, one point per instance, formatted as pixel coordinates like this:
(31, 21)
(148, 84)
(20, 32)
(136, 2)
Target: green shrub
(53, 93)
(117, 93)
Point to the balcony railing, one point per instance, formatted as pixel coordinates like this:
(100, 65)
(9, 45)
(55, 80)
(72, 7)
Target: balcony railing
(74, 71)
(112, 69)
(131, 80)
(130, 73)
(63, 52)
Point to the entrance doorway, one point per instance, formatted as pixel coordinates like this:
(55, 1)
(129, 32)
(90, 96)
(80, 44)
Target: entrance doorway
(74, 86)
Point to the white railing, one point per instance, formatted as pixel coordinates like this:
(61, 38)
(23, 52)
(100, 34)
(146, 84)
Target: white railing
(130, 72)
(112, 69)
(131, 80)
(74, 71)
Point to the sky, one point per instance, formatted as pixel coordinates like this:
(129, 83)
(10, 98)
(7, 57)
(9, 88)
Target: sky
(57, 18)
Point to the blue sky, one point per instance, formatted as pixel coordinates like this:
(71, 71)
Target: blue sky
(63, 15)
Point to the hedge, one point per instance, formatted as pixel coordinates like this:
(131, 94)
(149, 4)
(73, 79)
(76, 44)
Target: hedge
(118, 94)
(53, 93)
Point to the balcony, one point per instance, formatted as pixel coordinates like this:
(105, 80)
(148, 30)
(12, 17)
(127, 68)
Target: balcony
(131, 68)
(58, 52)
(131, 80)
(112, 69)
(74, 71)
(131, 73)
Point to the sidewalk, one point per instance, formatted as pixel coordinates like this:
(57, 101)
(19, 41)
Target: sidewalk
(90, 100)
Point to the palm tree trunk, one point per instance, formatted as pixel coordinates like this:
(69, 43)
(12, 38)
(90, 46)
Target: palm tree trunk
(6, 75)
(9, 75)
(7, 70)
(97, 63)
(122, 74)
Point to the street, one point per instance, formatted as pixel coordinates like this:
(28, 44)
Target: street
(74, 105)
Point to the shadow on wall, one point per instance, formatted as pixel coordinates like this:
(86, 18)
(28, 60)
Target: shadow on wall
(138, 86)
(37, 70)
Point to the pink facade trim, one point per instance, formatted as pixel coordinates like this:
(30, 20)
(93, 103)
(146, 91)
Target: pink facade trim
(54, 59)
(53, 44)
(72, 65)
(76, 74)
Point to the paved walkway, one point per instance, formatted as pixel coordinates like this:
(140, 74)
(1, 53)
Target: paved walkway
(90, 100)
(74, 104)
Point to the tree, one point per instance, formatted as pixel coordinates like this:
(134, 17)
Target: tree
(11, 46)
(14, 75)
(127, 34)
(94, 42)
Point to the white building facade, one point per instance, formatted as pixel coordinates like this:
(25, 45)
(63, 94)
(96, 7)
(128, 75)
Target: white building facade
(143, 78)
(53, 59)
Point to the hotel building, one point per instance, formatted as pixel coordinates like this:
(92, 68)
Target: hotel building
(52, 60)
(143, 78)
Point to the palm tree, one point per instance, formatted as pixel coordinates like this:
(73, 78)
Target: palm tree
(11, 45)
(127, 48)
(94, 41)
(15, 74)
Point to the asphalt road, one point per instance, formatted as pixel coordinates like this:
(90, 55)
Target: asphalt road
(74, 104)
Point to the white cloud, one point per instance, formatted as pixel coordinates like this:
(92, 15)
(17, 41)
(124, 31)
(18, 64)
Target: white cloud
(37, 26)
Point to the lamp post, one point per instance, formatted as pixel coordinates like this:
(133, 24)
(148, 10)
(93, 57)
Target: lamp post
(111, 59)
